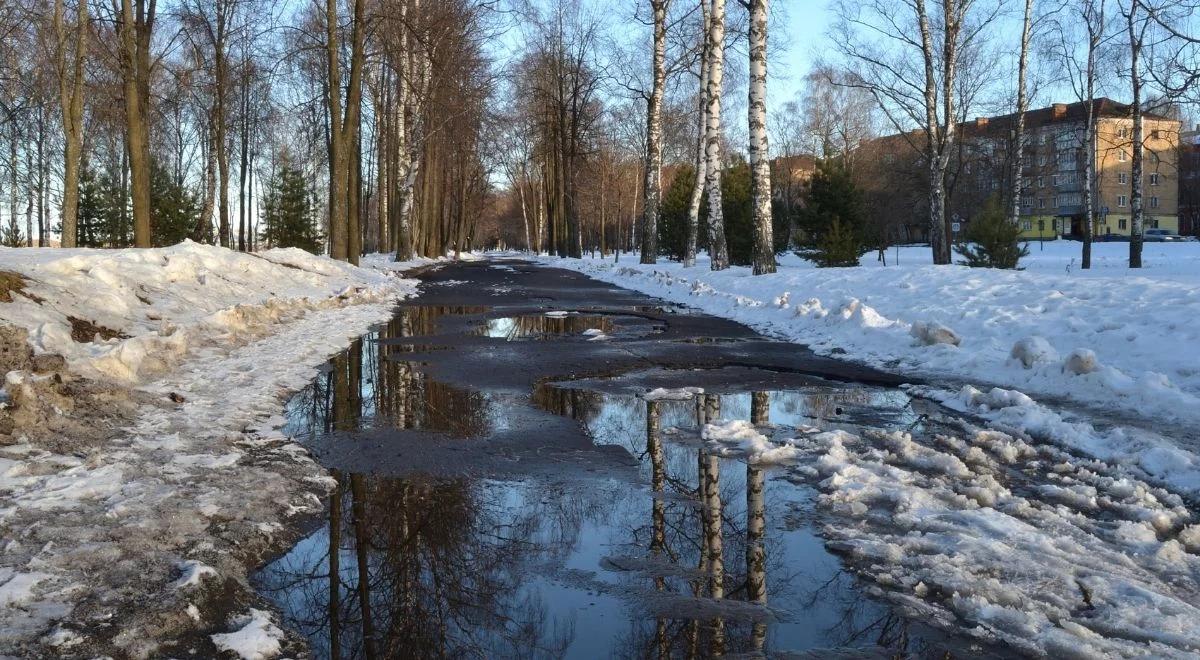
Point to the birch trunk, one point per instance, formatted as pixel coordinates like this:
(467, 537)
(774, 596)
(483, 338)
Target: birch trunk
(717, 252)
(653, 187)
(1136, 216)
(760, 158)
(1022, 106)
(693, 219)
(1095, 28)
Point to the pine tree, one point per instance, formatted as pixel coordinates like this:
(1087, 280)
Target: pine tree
(288, 213)
(833, 217)
(993, 240)
(174, 208)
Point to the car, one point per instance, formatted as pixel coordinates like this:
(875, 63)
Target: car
(1165, 236)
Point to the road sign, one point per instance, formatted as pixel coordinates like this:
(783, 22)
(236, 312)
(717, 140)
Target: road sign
(954, 227)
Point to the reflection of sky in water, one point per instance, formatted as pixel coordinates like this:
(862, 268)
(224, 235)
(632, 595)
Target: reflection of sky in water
(553, 549)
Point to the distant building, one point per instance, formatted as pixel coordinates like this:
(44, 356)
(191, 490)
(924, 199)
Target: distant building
(1052, 200)
(1189, 182)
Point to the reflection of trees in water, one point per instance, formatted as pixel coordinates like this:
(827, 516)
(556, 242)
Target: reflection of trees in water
(534, 326)
(370, 384)
(422, 320)
(424, 568)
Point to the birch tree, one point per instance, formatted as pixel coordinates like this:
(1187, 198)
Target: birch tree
(909, 58)
(717, 252)
(693, 218)
(1014, 211)
(760, 157)
(1135, 27)
(652, 190)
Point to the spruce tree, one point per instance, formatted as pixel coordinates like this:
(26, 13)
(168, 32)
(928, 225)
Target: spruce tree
(174, 208)
(288, 213)
(833, 217)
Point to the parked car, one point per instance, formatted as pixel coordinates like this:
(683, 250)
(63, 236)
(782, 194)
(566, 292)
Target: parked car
(1165, 236)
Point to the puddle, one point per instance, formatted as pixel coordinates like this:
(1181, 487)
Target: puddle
(554, 325)
(703, 555)
(363, 388)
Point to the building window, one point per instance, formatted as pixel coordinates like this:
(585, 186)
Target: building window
(1122, 178)
(1041, 202)
(1041, 159)
(1122, 224)
(1121, 200)
(1054, 180)
(1041, 225)
(1154, 179)
(1027, 225)
(1054, 201)
(1153, 202)
(1041, 182)
(1122, 156)
(1124, 132)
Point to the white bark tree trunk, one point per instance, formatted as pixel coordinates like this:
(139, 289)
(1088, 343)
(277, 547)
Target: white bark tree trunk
(1022, 106)
(693, 219)
(652, 190)
(760, 158)
(1136, 216)
(717, 252)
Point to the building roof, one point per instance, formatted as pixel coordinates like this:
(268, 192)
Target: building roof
(1060, 113)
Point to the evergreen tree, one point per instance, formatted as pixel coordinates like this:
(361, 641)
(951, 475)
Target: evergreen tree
(833, 219)
(10, 234)
(993, 240)
(103, 218)
(288, 215)
(174, 208)
(673, 214)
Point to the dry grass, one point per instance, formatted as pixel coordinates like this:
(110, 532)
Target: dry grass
(84, 331)
(10, 282)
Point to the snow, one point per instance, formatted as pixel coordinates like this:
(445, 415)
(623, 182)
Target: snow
(205, 346)
(957, 528)
(192, 573)
(672, 393)
(1127, 336)
(256, 639)
(747, 441)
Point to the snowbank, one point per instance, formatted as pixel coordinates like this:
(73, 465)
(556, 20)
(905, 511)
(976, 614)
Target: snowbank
(1109, 338)
(153, 523)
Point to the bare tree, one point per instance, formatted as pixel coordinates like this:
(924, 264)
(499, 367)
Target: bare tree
(68, 61)
(715, 52)
(135, 30)
(909, 59)
(1136, 25)
(760, 157)
(652, 191)
(1014, 211)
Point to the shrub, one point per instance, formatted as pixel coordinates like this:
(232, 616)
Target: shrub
(992, 240)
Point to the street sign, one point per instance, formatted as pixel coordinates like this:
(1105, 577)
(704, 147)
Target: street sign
(954, 227)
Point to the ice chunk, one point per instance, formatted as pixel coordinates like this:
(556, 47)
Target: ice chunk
(1033, 350)
(257, 637)
(932, 332)
(1081, 361)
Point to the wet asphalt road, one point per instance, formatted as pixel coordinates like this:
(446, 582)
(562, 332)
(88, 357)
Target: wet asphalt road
(444, 331)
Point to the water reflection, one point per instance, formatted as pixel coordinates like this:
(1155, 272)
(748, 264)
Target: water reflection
(541, 326)
(702, 558)
(374, 384)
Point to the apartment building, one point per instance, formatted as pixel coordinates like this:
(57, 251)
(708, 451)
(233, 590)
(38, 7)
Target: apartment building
(1054, 158)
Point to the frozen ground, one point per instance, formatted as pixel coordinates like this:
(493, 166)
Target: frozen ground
(1110, 340)
(141, 480)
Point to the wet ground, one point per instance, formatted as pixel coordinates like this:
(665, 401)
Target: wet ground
(508, 489)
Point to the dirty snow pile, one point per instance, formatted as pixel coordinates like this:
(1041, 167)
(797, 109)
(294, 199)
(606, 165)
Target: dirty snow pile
(1111, 337)
(117, 545)
(1027, 545)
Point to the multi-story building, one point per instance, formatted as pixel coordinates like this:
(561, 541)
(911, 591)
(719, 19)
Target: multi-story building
(1053, 181)
(1189, 182)
(1053, 168)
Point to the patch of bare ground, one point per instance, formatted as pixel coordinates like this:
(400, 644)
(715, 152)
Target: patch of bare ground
(84, 331)
(10, 283)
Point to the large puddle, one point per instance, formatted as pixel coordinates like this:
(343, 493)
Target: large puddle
(692, 554)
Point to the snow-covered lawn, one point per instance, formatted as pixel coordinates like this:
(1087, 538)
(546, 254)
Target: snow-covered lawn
(1109, 339)
(181, 478)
